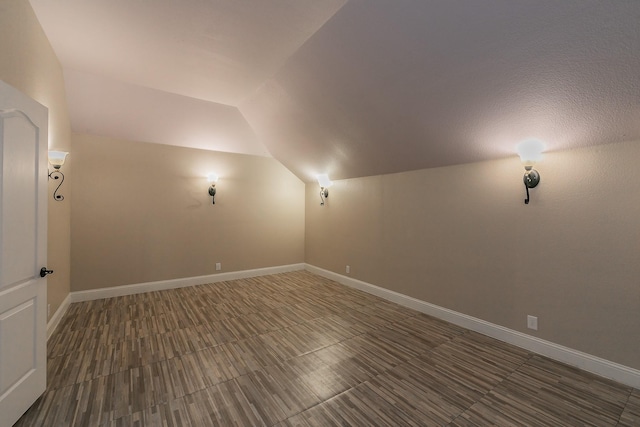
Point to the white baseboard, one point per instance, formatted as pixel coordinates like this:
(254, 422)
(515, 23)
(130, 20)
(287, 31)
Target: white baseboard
(139, 288)
(584, 361)
(57, 316)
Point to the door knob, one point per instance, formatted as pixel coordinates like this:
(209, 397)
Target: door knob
(44, 271)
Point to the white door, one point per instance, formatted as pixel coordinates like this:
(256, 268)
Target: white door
(23, 244)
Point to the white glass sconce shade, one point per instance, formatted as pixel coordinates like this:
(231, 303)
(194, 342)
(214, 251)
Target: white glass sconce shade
(530, 152)
(324, 181)
(57, 158)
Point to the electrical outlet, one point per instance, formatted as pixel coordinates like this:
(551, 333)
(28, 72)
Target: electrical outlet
(348, 269)
(532, 322)
(218, 266)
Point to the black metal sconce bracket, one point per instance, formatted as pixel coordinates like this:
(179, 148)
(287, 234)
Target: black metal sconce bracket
(212, 193)
(531, 179)
(56, 174)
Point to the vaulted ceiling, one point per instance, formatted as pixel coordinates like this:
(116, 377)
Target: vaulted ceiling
(351, 88)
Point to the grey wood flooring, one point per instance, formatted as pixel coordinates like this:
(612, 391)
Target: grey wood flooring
(296, 349)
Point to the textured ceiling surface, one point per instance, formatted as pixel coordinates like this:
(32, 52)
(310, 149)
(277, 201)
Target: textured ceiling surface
(353, 88)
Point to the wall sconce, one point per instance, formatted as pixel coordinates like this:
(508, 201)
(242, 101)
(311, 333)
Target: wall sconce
(325, 183)
(213, 178)
(56, 159)
(530, 152)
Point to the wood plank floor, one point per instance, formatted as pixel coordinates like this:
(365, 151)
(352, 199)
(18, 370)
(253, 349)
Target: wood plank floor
(296, 349)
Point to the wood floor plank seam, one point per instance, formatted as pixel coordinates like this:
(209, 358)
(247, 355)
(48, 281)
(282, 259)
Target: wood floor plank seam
(347, 390)
(625, 405)
(319, 403)
(490, 390)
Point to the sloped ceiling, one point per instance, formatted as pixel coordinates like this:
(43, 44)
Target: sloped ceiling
(363, 87)
(125, 60)
(102, 106)
(216, 50)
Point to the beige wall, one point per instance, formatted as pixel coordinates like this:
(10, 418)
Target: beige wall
(462, 238)
(28, 63)
(141, 213)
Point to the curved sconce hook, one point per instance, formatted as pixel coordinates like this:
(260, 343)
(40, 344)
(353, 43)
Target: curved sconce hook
(56, 174)
(212, 193)
(531, 179)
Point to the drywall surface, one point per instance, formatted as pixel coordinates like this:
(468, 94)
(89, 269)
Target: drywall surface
(142, 213)
(462, 238)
